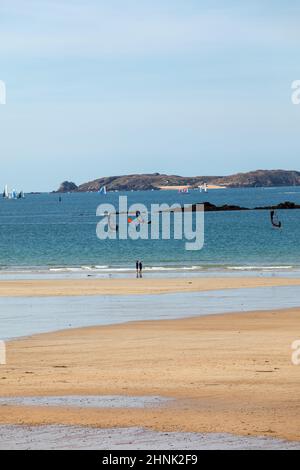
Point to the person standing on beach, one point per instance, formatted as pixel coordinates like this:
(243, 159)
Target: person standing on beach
(137, 265)
(140, 268)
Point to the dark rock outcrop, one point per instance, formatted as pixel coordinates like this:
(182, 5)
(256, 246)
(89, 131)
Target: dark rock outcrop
(67, 187)
(209, 207)
(282, 205)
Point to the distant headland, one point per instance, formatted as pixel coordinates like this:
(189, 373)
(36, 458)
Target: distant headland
(157, 181)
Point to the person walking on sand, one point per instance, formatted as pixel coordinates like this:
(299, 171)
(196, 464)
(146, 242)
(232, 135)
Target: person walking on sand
(141, 268)
(137, 265)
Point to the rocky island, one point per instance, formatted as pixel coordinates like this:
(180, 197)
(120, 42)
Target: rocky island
(157, 181)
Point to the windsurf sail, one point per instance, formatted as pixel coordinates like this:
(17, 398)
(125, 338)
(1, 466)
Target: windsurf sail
(274, 220)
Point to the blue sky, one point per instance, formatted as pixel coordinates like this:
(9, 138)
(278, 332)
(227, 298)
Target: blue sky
(189, 87)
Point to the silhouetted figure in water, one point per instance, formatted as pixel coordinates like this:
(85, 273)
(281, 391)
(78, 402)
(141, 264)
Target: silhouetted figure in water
(137, 265)
(274, 221)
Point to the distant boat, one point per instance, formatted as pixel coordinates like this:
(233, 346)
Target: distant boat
(6, 192)
(12, 194)
(184, 191)
(103, 190)
(203, 187)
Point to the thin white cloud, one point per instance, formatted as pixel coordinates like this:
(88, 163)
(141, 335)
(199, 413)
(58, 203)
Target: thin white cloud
(92, 29)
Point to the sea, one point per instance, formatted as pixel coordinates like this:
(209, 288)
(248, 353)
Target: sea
(40, 234)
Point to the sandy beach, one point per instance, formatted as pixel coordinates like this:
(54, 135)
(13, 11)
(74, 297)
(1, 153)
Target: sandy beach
(225, 373)
(81, 287)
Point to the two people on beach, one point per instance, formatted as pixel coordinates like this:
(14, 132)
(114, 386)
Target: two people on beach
(139, 268)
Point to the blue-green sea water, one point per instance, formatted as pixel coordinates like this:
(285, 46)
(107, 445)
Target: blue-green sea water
(39, 232)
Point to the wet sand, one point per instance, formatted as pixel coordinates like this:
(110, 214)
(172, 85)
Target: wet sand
(24, 316)
(84, 287)
(82, 438)
(226, 373)
(87, 401)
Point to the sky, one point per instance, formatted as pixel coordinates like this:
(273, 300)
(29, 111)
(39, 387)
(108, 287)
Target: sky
(190, 87)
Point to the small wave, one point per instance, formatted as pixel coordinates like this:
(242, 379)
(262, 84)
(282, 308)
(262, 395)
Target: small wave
(57, 270)
(159, 268)
(106, 268)
(173, 268)
(257, 268)
(112, 270)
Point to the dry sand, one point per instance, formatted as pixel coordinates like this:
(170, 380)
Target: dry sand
(228, 373)
(79, 287)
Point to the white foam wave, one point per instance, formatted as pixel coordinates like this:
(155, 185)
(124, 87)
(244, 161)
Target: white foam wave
(105, 268)
(257, 268)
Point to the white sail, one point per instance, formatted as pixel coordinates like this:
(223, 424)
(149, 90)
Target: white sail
(6, 192)
(102, 190)
(203, 187)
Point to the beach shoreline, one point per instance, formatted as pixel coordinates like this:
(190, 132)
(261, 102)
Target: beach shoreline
(133, 286)
(225, 373)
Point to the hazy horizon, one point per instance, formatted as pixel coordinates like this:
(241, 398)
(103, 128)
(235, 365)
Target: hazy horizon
(97, 89)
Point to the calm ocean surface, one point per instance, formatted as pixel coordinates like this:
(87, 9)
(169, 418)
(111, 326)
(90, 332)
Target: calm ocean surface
(39, 233)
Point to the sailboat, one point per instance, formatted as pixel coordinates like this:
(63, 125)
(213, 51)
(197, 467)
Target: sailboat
(13, 194)
(184, 191)
(103, 190)
(6, 192)
(203, 187)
